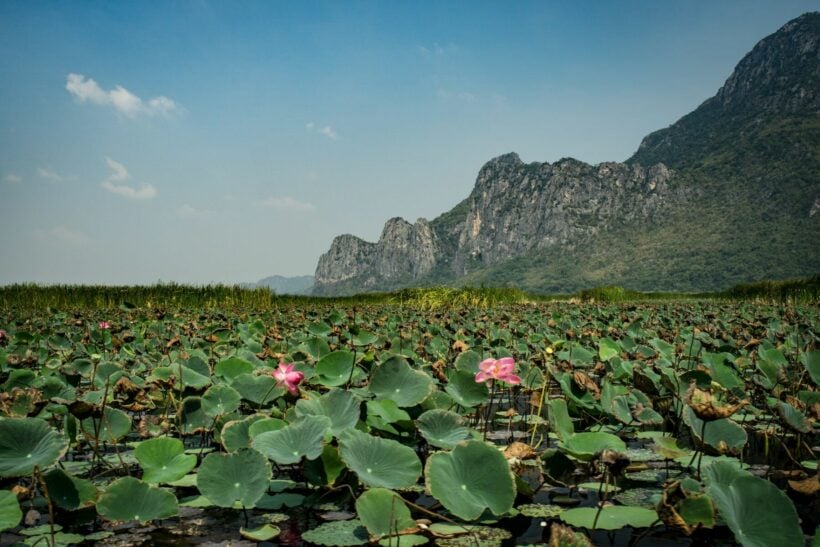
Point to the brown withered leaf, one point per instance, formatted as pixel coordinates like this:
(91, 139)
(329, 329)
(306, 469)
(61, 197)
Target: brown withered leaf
(807, 487)
(562, 536)
(173, 342)
(460, 346)
(707, 408)
(585, 382)
(439, 368)
(520, 451)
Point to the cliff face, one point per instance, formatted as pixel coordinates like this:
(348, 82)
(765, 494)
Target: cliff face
(404, 252)
(727, 194)
(517, 208)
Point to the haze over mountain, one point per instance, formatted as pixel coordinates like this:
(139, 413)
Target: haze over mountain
(728, 194)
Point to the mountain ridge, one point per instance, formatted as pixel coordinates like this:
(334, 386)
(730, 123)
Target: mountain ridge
(724, 195)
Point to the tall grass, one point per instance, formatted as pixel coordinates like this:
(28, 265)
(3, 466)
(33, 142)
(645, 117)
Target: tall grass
(30, 296)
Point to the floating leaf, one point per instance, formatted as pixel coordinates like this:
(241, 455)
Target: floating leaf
(465, 391)
(132, 499)
(26, 443)
(266, 532)
(163, 460)
(10, 512)
(473, 477)
(113, 426)
(383, 512)
(588, 444)
(257, 389)
(242, 476)
(739, 496)
(335, 368)
(442, 428)
(394, 379)
(379, 462)
(219, 400)
(232, 367)
(302, 439)
(68, 491)
(339, 532)
(612, 517)
(339, 406)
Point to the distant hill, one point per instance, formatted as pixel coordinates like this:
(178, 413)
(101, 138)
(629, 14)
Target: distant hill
(302, 284)
(728, 194)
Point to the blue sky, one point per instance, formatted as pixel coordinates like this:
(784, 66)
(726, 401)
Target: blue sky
(227, 141)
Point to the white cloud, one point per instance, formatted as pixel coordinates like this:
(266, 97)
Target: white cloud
(325, 130)
(188, 211)
(11, 177)
(49, 174)
(285, 204)
(115, 183)
(464, 96)
(123, 101)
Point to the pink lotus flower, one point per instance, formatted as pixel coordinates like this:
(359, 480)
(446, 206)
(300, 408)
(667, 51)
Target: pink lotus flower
(104, 325)
(287, 377)
(498, 369)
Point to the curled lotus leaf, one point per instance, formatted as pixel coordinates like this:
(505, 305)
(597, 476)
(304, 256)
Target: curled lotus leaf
(707, 407)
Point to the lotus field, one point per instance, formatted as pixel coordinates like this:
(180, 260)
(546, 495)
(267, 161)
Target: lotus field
(669, 423)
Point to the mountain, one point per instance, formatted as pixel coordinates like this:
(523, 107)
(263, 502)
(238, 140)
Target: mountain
(727, 194)
(302, 284)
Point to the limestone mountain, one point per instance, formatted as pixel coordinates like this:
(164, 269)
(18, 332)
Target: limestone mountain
(728, 194)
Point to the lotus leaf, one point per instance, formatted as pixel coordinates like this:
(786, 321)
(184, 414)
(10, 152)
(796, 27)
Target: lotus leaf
(442, 428)
(220, 400)
(26, 443)
(394, 379)
(379, 462)
(473, 477)
(612, 517)
(10, 512)
(290, 444)
(163, 460)
(68, 491)
(339, 406)
(132, 499)
(338, 533)
(242, 476)
(383, 512)
(588, 444)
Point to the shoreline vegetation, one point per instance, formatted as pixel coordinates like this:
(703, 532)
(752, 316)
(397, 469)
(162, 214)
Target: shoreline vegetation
(30, 296)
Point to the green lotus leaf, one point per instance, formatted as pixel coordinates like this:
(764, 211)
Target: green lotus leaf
(265, 424)
(473, 477)
(407, 540)
(163, 460)
(302, 439)
(196, 379)
(560, 422)
(586, 445)
(383, 512)
(114, 425)
(465, 391)
(220, 400)
(394, 379)
(724, 435)
(640, 497)
(194, 418)
(442, 428)
(468, 362)
(26, 443)
(266, 532)
(132, 499)
(10, 512)
(324, 470)
(232, 367)
(242, 476)
(340, 532)
(379, 462)
(257, 389)
(236, 433)
(335, 368)
(739, 497)
(68, 491)
(811, 360)
(793, 417)
(340, 406)
(608, 349)
(539, 510)
(612, 517)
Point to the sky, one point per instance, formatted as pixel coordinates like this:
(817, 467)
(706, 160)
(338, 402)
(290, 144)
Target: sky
(223, 142)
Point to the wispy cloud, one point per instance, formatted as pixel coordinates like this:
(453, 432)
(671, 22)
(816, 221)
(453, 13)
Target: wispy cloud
(49, 174)
(325, 130)
(464, 96)
(115, 183)
(187, 211)
(63, 235)
(285, 204)
(123, 101)
(13, 178)
(437, 50)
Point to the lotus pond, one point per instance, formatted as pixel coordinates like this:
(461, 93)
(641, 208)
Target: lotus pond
(629, 424)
